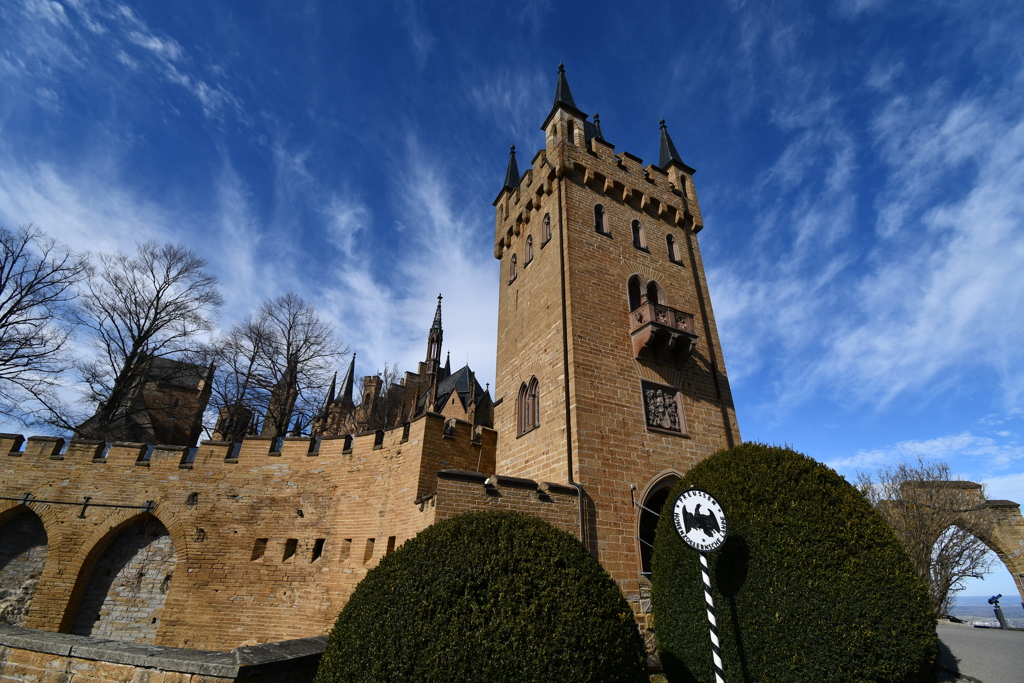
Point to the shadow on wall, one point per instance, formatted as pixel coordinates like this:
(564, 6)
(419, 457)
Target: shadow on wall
(127, 587)
(23, 547)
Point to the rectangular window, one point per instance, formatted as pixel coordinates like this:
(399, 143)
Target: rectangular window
(391, 545)
(318, 549)
(289, 549)
(259, 549)
(368, 553)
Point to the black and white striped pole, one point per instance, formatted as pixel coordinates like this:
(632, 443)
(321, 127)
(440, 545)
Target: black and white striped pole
(705, 531)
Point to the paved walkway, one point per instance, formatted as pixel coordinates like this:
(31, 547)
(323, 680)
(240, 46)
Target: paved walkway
(982, 654)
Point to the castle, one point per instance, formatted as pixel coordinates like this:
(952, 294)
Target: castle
(610, 385)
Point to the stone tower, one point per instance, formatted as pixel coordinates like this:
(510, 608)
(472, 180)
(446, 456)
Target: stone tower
(610, 374)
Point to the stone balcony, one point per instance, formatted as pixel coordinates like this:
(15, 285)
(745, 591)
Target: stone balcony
(662, 334)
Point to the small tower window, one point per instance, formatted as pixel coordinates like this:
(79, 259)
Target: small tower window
(512, 272)
(528, 256)
(601, 220)
(570, 129)
(545, 230)
(639, 239)
(528, 407)
(673, 249)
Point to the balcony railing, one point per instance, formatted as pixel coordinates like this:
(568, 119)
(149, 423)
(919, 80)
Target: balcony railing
(662, 333)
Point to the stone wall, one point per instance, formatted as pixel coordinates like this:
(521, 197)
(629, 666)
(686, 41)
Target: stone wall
(127, 587)
(267, 546)
(29, 655)
(22, 558)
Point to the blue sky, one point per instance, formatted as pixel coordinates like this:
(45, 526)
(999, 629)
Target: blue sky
(860, 168)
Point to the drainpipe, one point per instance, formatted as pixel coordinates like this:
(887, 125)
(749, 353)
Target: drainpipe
(565, 352)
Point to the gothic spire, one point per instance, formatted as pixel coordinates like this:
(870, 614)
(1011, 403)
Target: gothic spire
(511, 181)
(448, 365)
(348, 382)
(669, 154)
(436, 327)
(330, 392)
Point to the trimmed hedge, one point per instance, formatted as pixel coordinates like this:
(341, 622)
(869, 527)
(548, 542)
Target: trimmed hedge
(486, 596)
(811, 584)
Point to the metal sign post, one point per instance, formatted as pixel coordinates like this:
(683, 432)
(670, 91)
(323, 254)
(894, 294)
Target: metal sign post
(705, 531)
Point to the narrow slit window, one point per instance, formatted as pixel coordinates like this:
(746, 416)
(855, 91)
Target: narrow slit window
(318, 549)
(600, 220)
(673, 249)
(635, 290)
(545, 230)
(529, 251)
(346, 548)
(368, 553)
(513, 263)
(290, 546)
(391, 545)
(259, 549)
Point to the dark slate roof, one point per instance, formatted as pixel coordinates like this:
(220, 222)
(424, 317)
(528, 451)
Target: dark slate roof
(348, 383)
(669, 153)
(457, 381)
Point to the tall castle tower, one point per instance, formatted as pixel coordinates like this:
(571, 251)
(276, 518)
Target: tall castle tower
(610, 374)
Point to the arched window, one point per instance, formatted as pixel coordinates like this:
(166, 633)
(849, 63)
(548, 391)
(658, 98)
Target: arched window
(673, 249)
(528, 407)
(655, 294)
(634, 292)
(529, 251)
(545, 230)
(600, 220)
(639, 239)
(512, 269)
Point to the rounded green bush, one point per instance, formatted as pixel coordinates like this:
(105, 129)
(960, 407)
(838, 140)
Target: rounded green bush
(811, 584)
(486, 596)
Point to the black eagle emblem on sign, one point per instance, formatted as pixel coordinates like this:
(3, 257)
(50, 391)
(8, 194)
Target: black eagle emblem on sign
(706, 522)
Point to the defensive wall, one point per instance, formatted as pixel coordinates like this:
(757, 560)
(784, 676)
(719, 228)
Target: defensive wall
(232, 545)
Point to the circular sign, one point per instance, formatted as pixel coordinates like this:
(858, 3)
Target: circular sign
(700, 520)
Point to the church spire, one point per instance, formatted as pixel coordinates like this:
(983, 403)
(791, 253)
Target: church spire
(511, 179)
(669, 154)
(347, 383)
(436, 327)
(448, 365)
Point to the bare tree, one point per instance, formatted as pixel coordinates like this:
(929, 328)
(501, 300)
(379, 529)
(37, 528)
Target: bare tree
(37, 287)
(938, 519)
(140, 308)
(274, 366)
(237, 395)
(384, 409)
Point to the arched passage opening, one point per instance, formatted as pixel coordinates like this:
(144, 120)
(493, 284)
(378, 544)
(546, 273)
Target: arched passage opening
(647, 525)
(123, 597)
(23, 548)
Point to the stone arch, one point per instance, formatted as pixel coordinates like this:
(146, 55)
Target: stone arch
(1002, 527)
(24, 545)
(124, 579)
(651, 500)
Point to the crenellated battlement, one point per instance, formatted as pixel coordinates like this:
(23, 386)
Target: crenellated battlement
(429, 428)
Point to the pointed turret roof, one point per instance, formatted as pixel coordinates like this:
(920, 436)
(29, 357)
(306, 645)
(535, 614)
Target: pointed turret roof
(597, 125)
(669, 154)
(330, 393)
(512, 174)
(348, 382)
(563, 99)
(447, 366)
